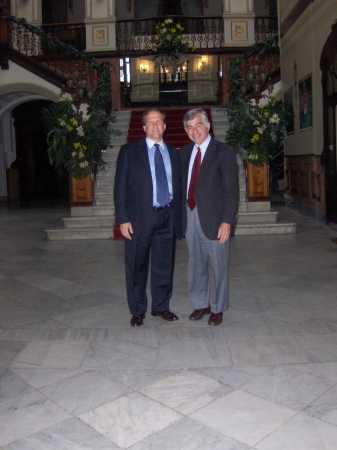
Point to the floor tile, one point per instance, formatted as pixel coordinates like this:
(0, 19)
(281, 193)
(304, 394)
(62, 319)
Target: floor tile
(130, 419)
(301, 433)
(179, 391)
(243, 417)
(288, 387)
(27, 414)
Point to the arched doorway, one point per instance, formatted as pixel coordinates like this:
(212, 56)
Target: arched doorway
(329, 154)
(36, 178)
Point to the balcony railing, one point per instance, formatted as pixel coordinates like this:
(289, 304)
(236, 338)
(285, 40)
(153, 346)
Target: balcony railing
(202, 32)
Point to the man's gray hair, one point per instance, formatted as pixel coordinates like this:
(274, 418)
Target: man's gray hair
(190, 115)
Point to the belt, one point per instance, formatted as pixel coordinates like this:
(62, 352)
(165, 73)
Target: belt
(156, 208)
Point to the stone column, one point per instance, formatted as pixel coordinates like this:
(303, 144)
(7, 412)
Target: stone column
(100, 23)
(31, 11)
(238, 18)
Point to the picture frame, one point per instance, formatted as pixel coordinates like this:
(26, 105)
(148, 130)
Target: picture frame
(305, 102)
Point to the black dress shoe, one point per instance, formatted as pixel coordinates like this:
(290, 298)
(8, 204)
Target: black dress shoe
(166, 315)
(137, 320)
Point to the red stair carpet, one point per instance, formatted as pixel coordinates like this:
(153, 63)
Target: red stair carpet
(175, 133)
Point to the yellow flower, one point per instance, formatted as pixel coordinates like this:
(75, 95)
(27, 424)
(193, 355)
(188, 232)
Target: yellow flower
(69, 128)
(74, 122)
(266, 113)
(255, 138)
(77, 144)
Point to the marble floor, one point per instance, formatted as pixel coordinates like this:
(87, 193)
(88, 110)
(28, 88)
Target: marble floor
(75, 375)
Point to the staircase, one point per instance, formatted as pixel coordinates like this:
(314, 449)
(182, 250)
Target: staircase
(97, 222)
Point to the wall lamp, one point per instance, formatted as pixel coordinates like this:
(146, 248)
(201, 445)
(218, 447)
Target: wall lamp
(143, 68)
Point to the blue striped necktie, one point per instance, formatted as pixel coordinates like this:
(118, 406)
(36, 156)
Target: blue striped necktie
(163, 195)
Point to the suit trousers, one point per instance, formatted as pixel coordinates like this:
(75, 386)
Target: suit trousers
(160, 241)
(201, 251)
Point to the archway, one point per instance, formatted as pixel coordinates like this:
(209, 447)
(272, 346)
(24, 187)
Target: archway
(329, 155)
(36, 179)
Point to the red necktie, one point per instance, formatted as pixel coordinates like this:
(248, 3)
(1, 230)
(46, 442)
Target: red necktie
(191, 200)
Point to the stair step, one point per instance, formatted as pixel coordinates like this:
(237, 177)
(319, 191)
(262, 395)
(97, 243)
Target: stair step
(257, 217)
(65, 234)
(88, 222)
(271, 228)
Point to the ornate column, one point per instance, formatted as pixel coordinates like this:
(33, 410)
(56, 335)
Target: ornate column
(31, 11)
(238, 18)
(100, 23)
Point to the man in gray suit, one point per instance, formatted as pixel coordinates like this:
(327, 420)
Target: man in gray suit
(210, 185)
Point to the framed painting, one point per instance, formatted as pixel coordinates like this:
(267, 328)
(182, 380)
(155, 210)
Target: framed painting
(305, 101)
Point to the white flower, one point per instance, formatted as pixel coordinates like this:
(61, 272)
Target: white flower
(62, 123)
(73, 154)
(66, 97)
(84, 164)
(81, 155)
(274, 119)
(260, 130)
(80, 131)
(168, 21)
(86, 117)
(256, 122)
(253, 156)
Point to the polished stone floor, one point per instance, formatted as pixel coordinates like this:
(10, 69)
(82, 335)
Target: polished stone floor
(75, 375)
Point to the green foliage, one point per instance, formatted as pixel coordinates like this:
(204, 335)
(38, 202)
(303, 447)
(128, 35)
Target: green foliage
(257, 133)
(76, 139)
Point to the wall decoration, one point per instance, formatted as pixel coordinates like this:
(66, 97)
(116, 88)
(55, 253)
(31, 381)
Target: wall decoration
(239, 31)
(100, 35)
(289, 100)
(305, 101)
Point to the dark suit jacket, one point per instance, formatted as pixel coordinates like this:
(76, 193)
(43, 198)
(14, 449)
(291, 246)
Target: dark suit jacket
(217, 188)
(133, 191)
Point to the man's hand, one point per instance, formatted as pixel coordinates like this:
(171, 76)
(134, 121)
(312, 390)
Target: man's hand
(126, 230)
(224, 232)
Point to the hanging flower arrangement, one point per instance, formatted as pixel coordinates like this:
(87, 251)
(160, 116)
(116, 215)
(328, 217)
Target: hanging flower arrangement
(170, 44)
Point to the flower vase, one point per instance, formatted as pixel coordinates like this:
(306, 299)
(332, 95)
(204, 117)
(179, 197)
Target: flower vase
(257, 183)
(82, 191)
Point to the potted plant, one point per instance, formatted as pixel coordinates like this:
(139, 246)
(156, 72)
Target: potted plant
(76, 138)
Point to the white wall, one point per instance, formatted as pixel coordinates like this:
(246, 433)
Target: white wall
(303, 45)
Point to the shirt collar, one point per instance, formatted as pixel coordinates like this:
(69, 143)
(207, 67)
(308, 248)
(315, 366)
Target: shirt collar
(203, 146)
(150, 143)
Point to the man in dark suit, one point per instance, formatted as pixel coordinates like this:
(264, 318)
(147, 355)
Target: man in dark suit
(210, 185)
(147, 198)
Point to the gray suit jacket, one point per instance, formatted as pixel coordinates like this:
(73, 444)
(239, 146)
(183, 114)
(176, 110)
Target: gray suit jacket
(217, 188)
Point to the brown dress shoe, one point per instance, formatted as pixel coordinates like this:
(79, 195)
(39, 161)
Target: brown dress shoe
(215, 319)
(137, 320)
(166, 315)
(198, 314)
